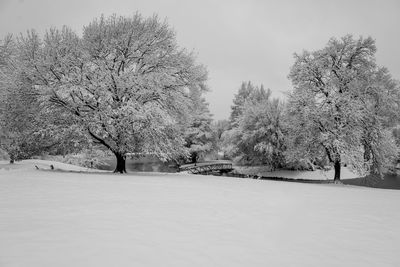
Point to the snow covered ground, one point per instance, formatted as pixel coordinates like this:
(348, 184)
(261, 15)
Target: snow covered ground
(30, 164)
(50, 218)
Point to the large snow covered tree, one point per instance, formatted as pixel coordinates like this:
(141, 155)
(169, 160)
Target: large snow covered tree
(336, 107)
(125, 80)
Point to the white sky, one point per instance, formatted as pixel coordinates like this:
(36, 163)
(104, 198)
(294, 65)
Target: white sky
(237, 40)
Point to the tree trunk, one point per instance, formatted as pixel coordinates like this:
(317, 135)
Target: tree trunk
(194, 157)
(121, 160)
(12, 158)
(367, 152)
(337, 170)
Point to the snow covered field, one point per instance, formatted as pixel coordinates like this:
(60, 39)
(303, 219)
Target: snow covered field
(52, 218)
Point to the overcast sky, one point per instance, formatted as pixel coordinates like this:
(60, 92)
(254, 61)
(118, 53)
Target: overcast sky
(237, 40)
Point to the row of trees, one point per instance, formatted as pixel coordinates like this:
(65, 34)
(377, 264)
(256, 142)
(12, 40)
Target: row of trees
(124, 84)
(344, 108)
(127, 86)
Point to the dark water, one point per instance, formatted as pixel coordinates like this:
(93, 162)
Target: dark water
(141, 165)
(389, 181)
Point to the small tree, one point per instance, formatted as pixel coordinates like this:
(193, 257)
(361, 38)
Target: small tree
(231, 136)
(198, 133)
(382, 106)
(256, 135)
(219, 128)
(240, 98)
(125, 81)
(261, 131)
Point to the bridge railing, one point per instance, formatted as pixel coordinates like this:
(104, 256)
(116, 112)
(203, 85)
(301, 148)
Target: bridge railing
(207, 167)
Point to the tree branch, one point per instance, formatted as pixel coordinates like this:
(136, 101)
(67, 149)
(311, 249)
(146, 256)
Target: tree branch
(100, 140)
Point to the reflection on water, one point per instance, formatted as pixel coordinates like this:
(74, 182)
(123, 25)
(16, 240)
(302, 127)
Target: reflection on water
(145, 164)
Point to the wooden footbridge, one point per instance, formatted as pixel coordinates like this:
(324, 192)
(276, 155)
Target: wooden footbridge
(209, 167)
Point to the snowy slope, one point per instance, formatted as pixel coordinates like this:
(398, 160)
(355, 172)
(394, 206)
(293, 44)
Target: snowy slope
(70, 219)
